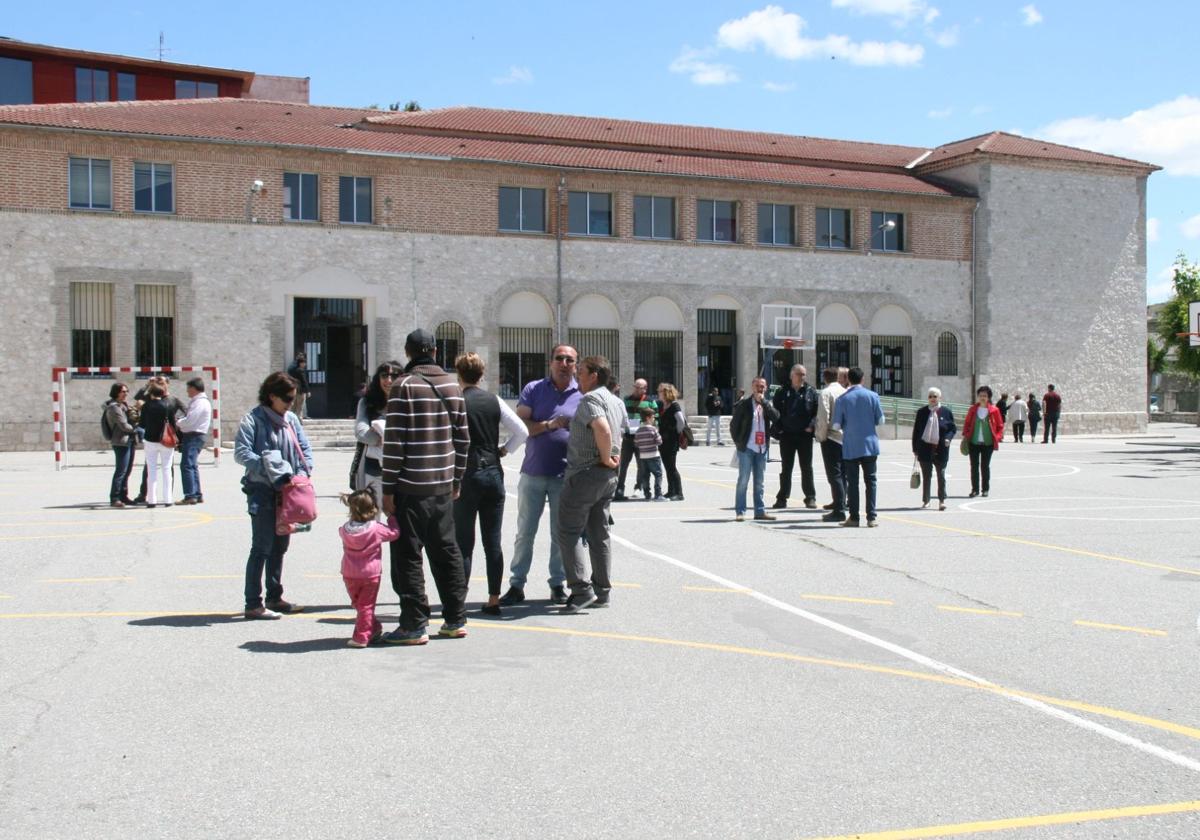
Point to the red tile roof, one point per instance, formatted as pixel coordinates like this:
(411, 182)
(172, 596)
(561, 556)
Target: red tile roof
(656, 136)
(1014, 145)
(563, 142)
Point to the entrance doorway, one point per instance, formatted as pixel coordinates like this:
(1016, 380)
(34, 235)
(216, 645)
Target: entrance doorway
(332, 335)
(716, 352)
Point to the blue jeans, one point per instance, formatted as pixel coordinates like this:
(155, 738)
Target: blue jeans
(118, 491)
(750, 462)
(191, 446)
(533, 491)
(266, 548)
(851, 467)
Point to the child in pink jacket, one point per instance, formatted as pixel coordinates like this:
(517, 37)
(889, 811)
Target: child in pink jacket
(362, 561)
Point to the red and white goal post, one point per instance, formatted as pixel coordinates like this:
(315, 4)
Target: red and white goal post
(58, 378)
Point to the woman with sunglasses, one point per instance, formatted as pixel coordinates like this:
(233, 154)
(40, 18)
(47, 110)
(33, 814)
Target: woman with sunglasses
(123, 437)
(368, 429)
(271, 445)
(933, 430)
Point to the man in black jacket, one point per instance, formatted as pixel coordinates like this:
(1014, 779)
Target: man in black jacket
(752, 419)
(797, 404)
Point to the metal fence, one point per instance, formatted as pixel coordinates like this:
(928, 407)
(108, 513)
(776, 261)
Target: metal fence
(658, 357)
(598, 342)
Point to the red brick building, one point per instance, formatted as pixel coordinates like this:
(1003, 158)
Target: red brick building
(40, 74)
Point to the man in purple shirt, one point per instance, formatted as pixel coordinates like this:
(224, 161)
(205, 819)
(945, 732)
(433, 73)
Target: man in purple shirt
(547, 407)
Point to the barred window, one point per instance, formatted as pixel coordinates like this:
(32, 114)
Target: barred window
(590, 341)
(450, 340)
(658, 357)
(837, 351)
(91, 324)
(947, 350)
(524, 353)
(154, 326)
(891, 365)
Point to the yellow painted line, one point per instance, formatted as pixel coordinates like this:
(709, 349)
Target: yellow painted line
(627, 585)
(846, 599)
(201, 519)
(713, 589)
(83, 580)
(211, 577)
(841, 664)
(713, 483)
(1042, 821)
(1050, 546)
(975, 611)
(5, 597)
(1146, 631)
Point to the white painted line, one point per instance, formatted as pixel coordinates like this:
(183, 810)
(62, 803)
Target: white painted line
(933, 664)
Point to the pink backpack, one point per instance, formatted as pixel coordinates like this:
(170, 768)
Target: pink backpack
(297, 499)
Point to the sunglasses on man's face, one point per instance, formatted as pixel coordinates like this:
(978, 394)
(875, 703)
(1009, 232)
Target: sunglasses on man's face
(289, 398)
(566, 360)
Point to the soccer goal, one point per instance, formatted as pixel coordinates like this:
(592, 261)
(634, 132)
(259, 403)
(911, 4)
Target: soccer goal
(58, 378)
(785, 327)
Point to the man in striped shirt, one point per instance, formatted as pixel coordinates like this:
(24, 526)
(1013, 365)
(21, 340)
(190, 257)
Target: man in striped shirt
(425, 442)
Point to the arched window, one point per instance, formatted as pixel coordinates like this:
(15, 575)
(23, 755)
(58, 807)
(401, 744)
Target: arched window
(450, 341)
(947, 354)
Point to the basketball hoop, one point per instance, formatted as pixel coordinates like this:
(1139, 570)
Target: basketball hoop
(787, 344)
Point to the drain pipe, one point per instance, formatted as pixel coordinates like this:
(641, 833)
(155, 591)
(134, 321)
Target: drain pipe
(974, 303)
(558, 243)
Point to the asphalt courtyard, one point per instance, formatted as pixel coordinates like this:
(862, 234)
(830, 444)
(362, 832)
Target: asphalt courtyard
(1021, 666)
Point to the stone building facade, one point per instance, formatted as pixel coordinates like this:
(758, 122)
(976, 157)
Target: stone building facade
(1017, 263)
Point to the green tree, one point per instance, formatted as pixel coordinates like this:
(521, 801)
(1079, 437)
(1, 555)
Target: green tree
(1173, 319)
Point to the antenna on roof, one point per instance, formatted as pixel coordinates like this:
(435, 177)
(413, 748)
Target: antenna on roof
(162, 46)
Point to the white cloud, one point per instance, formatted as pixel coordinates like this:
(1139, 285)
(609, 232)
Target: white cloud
(940, 113)
(1162, 287)
(903, 9)
(516, 75)
(690, 62)
(931, 14)
(1030, 16)
(779, 87)
(980, 110)
(779, 33)
(1152, 229)
(948, 37)
(1167, 134)
(1191, 228)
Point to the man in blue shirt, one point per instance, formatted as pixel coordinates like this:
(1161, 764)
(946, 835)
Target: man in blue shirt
(856, 414)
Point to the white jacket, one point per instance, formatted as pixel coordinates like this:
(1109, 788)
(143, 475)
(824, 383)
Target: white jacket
(1018, 411)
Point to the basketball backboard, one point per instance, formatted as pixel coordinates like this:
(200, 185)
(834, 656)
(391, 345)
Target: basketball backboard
(784, 326)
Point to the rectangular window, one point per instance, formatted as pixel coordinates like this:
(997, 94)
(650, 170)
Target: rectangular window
(91, 324)
(653, 217)
(776, 224)
(589, 214)
(887, 231)
(300, 202)
(190, 89)
(126, 87)
(522, 209)
(354, 200)
(154, 326)
(154, 187)
(833, 228)
(16, 81)
(91, 184)
(716, 221)
(91, 85)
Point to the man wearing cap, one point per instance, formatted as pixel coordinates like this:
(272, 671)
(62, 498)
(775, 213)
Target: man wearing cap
(425, 442)
(547, 406)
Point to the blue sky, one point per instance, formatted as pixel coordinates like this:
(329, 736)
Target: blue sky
(1111, 76)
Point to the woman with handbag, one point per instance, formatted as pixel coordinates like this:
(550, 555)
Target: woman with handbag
(161, 437)
(366, 471)
(933, 429)
(983, 429)
(273, 448)
(671, 422)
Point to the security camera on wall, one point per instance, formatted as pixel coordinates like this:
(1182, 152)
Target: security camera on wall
(256, 187)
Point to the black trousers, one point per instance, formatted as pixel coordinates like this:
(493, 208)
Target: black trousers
(428, 522)
(1018, 431)
(482, 498)
(1050, 429)
(669, 450)
(831, 454)
(791, 447)
(981, 466)
(628, 453)
(1033, 424)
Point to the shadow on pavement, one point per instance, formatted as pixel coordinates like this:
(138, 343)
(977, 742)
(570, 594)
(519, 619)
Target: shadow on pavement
(302, 646)
(197, 620)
